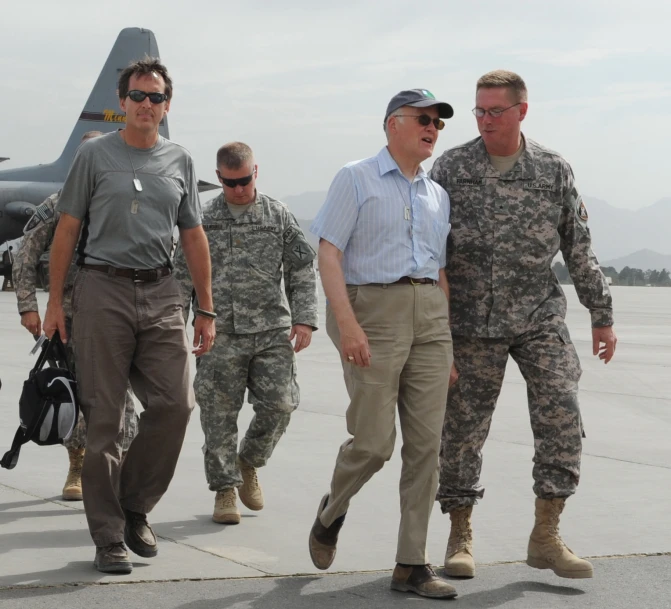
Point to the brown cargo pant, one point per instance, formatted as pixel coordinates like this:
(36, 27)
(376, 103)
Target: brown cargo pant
(129, 330)
(409, 337)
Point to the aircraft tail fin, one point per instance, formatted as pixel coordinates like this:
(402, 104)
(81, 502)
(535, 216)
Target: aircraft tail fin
(101, 111)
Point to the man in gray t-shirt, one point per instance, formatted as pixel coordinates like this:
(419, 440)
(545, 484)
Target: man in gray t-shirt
(126, 192)
(123, 227)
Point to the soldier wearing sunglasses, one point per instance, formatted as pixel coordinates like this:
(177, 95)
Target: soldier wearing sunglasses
(255, 242)
(515, 205)
(125, 192)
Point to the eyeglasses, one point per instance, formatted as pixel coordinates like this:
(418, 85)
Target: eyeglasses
(140, 96)
(494, 112)
(233, 182)
(425, 120)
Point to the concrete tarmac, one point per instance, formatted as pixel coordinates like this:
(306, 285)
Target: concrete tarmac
(621, 510)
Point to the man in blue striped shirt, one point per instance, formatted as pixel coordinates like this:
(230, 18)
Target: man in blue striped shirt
(383, 234)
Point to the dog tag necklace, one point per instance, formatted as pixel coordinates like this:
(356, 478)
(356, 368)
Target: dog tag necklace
(137, 185)
(407, 211)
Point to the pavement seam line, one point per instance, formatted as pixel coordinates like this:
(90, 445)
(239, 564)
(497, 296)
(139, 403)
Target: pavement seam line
(60, 502)
(585, 454)
(75, 508)
(295, 575)
(237, 562)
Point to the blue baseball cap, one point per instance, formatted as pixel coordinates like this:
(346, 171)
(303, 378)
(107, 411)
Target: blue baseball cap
(418, 98)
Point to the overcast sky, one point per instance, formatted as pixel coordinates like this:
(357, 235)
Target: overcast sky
(306, 84)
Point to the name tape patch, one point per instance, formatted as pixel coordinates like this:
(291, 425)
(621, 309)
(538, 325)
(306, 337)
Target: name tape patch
(265, 228)
(538, 186)
(469, 181)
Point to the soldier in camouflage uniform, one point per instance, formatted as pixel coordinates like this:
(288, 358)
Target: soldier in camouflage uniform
(254, 243)
(514, 206)
(38, 235)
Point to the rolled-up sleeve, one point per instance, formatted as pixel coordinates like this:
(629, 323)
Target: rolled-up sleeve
(337, 217)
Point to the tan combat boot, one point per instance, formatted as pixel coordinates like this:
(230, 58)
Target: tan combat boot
(72, 491)
(459, 555)
(226, 508)
(250, 492)
(546, 548)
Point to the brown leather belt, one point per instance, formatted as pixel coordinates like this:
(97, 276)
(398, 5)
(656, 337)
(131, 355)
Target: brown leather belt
(134, 274)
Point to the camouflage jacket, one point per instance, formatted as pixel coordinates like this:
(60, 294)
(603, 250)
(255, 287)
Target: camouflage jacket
(250, 257)
(37, 237)
(506, 230)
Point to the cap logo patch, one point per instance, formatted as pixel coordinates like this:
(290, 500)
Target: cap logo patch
(428, 94)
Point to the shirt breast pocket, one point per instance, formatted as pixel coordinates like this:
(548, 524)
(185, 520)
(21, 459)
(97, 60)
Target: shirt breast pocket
(219, 239)
(264, 250)
(542, 221)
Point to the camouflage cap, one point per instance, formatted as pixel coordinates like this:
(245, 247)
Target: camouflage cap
(418, 98)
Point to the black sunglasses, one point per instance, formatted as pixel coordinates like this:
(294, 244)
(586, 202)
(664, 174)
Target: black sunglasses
(425, 120)
(233, 182)
(140, 96)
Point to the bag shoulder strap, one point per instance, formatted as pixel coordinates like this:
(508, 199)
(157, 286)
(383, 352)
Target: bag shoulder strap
(11, 457)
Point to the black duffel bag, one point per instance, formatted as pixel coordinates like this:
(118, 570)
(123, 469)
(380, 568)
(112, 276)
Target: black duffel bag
(48, 407)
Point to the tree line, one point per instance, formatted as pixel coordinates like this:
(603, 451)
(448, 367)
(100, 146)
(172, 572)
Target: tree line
(627, 276)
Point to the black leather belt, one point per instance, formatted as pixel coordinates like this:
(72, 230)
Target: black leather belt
(134, 274)
(414, 281)
(409, 281)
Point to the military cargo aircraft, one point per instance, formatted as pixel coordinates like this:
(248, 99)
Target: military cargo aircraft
(23, 189)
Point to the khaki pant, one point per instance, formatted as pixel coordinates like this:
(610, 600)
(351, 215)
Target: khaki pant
(124, 330)
(409, 336)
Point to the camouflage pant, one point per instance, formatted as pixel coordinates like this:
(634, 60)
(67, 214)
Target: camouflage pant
(549, 364)
(78, 438)
(264, 363)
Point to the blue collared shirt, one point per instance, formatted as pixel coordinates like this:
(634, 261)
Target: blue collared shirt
(387, 226)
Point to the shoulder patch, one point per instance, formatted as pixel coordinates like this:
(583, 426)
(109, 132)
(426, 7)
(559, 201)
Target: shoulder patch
(43, 213)
(582, 212)
(298, 251)
(301, 252)
(290, 234)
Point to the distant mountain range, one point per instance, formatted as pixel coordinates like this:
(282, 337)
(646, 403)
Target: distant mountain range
(642, 259)
(639, 238)
(618, 232)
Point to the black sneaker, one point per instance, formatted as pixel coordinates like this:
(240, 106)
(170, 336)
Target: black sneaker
(113, 559)
(138, 535)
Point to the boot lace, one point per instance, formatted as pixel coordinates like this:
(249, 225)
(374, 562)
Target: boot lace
(461, 533)
(76, 463)
(226, 499)
(250, 475)
(555, 545)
